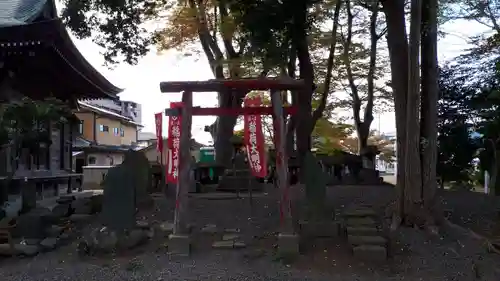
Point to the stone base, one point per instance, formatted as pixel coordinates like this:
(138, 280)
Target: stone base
(288, 244)
(179, 244)
(320, 228)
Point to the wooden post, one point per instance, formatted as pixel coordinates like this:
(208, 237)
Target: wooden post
(183, 183)
(282, 163)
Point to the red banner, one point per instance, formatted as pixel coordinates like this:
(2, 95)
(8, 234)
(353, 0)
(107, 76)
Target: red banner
(174, 137)
(254, 139)
(159, 129)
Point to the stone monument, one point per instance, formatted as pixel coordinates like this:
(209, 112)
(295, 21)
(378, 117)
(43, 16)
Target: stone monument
(119, 199)
(138, 165)
(319, 217)
(239, 178)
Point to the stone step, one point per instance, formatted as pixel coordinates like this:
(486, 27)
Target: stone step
(366, 221)
(360, 213)
(230, 244)
(370, 253)
(356, 240)
(362, 230)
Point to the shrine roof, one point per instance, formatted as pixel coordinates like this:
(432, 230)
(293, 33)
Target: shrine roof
(32, 35)
(16, 12)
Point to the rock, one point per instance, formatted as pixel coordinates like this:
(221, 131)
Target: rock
(227, 237)
(32, 241)
(232, 230)
(209, 228)
(239, 245)
(96, 203)
(370, 253)
(360, 222)
(54, 231)
(150, 233)
(362, 230)
(134, 238)
(143, 224)
(65, 199)
(82, 206)
(49, 243)
(223, 245)
(26, 250)
(6, 250)
(367, 240)
(32, 224)
(103, 240)
(61, 210)
(166, 227)
(79, 218)
(19, 249)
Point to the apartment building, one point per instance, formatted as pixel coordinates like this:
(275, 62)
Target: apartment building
(104, 136)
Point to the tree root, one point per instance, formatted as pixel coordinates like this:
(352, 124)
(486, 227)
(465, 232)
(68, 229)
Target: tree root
(490, 246)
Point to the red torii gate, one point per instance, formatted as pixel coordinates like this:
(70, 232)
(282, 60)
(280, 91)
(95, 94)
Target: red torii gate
(288, 240)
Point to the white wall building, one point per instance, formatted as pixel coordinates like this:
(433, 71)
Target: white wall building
(388, 167)
(126, 108)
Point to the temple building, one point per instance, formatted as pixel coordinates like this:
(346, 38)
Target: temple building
(38, 60)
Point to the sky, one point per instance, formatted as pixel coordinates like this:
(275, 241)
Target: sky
(141, 82)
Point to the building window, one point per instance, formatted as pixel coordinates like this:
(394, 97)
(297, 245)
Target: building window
(80, 127)
(122, 132)
(92, 160)
(103, 128)
(116, 131)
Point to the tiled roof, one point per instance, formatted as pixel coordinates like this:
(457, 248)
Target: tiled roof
(17, 12)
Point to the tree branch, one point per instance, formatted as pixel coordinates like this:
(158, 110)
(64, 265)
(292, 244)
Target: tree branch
(318, 113)
(368, 116)
(228, 41)
(350, 77)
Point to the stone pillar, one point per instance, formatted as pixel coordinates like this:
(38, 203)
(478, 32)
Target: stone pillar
(179, 240)
(288, 242)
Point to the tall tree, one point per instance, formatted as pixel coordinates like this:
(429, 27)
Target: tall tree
(416, 204)
(355, 51)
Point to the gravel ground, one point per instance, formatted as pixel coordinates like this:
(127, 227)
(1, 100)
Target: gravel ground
(454, 256)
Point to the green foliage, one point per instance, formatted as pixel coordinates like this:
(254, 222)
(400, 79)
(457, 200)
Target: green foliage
(456, 146)
(25, 123)
(115, 25)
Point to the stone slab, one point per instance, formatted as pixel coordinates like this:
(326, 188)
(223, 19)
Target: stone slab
(362, 230)
(232, 237)
(370, 253)
(359, 213)
(366, 240)
(360, 222)
(228, 244)
(288, 244)
(179, 245)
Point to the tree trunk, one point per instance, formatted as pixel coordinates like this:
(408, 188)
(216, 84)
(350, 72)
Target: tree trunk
(398, 54)
(429, 100)
(413, 176)
(299, 41)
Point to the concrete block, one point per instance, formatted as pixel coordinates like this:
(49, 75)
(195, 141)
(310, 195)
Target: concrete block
(366, 240)
(179, 245)
(370, 253)
(362, 231)
(288, 244)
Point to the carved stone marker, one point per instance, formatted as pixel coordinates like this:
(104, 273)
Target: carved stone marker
(240, 178)
(138, 165)
(119, 199)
